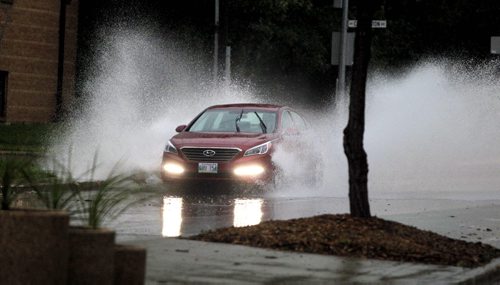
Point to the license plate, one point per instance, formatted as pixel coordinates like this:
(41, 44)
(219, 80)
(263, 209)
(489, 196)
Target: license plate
(207, 167)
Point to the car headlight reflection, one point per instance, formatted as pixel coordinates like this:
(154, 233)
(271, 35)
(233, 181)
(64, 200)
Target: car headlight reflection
(249, 170)
(260, 149)
(173, 168)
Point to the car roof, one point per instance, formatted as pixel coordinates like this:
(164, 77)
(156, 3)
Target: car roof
(248, 105)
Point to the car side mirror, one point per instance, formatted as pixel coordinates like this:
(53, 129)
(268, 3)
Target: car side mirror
(180, 128)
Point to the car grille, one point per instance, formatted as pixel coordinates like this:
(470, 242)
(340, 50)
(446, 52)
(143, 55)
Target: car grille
(221, 154)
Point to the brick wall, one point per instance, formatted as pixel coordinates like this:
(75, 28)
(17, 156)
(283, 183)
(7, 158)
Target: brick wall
(29, 53)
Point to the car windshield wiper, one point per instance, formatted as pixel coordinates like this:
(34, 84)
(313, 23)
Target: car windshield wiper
(237, 121)
(262, 125)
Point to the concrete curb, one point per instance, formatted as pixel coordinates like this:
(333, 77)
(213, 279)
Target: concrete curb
(487, 274)
(195, 262)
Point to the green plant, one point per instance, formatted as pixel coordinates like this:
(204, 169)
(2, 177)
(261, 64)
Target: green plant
(109, 197)
(10, 178)
(55, 188)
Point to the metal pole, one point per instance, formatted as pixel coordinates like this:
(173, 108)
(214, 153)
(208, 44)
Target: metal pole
(216, 42)
(343, 48)
(227, 77)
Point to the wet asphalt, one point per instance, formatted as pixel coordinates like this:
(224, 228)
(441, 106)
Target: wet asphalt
(174, 212)
(171, 213)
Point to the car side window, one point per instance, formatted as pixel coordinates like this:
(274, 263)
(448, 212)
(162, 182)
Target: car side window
(298, 121)
(286, 121)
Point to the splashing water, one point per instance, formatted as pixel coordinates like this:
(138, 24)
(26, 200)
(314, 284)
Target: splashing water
(143, 88)
(433, 132)
(435, 129)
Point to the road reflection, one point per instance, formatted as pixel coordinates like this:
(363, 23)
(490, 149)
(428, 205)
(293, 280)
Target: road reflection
(247, 212)
(238, 212)
(171, 217)
(187, 214)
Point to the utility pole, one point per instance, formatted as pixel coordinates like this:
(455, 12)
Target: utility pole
(227, 74)
(343, 48)
(216, 43)
(227, 62)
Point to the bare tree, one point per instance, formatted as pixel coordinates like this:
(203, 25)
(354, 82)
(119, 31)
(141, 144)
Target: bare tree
(354, 131)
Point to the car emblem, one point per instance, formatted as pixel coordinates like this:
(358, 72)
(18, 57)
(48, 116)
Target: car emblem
(208, 153)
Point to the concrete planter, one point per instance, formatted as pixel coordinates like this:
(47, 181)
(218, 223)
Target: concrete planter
(33, 246)
(130, 265)
(91, 258)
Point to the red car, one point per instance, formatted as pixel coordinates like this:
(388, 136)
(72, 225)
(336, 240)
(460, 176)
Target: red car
(231, 142)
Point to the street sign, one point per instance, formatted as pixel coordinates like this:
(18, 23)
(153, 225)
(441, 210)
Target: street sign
(495, 45)
(376, 24)
(379, 24)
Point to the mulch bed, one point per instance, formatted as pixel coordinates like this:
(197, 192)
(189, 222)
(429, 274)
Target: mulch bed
(344, 235)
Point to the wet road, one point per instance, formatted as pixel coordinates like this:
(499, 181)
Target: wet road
(171, 214)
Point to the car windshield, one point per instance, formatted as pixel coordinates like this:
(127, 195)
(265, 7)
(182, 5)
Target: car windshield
(235, 120)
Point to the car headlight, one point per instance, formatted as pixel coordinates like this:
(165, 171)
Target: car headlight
(260, 149)
(173, 168)
(170, 148)
(249, 170)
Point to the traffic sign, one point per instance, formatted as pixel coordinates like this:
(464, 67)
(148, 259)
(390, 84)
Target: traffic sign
(376, 24)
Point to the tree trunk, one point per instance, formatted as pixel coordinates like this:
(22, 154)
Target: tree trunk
(354, 131)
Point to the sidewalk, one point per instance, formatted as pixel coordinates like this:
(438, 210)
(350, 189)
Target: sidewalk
(177, 261)
(174, 261)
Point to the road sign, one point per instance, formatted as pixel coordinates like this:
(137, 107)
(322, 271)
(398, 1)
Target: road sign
(376, 24)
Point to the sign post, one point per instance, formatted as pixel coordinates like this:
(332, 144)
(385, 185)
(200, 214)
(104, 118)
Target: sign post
(344, 52)
(343, 47)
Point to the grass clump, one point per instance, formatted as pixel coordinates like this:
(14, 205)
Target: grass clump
(108, 197)
(11, 176)
(88, 200)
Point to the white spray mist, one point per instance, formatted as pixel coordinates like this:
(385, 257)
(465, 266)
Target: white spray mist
(434, 130)
(143, 88)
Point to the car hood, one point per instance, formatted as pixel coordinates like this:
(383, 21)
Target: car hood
(239, 140)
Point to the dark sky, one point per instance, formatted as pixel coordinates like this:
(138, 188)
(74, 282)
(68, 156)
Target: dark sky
(161, 14)
(172, 13)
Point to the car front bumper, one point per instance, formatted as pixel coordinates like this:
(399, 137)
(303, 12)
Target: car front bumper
(256, 169)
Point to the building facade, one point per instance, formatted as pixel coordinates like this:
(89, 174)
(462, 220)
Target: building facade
(34, 80)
